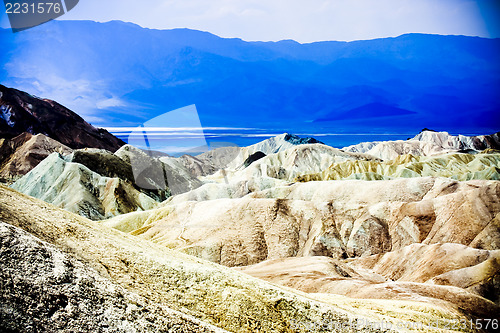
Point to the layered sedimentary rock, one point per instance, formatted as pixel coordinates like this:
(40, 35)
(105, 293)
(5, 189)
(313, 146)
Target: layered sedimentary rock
(197, 167)
(78, 189)
(111, 165)
(21, 112)
(447, 264)
(219, 158)
(161, 278)
(427, 143)
(102, 162)
(325, 218)
(456, 166)
(98, 184)
(452, 275)
(349, 219)
(21, 154)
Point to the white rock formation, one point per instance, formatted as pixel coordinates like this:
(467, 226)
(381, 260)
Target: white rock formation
(459, 142)
(287, 164)
(76, 188)
(426, 143)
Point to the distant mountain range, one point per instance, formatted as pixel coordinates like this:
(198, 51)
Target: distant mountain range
(118, 73)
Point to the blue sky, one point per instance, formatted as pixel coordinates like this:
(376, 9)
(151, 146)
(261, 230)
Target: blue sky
(301, 20)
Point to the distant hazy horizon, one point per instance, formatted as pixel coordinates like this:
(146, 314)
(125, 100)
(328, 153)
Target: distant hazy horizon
(302, 21)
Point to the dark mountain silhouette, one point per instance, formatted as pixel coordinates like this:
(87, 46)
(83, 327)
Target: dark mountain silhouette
(21, 112)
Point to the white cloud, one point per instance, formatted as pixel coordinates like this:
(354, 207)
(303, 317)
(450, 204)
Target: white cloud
(109, 103)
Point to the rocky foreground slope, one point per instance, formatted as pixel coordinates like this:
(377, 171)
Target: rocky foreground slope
(79, 264)
(70, 296)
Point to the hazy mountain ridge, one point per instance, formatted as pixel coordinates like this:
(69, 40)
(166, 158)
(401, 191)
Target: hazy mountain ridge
(446, 82)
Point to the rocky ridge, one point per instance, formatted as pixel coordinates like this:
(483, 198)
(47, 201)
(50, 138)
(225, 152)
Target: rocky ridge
(287, 164)
(21, 154)
(98, 184)
(453, 165)
(21, 112)
(427, 143)
(357, 279)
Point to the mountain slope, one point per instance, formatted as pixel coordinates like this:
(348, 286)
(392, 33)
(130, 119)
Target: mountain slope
(21, 112)
(351, 222)
(24, 152)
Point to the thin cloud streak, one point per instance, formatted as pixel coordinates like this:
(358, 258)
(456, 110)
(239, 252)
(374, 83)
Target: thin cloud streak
(172, 129)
